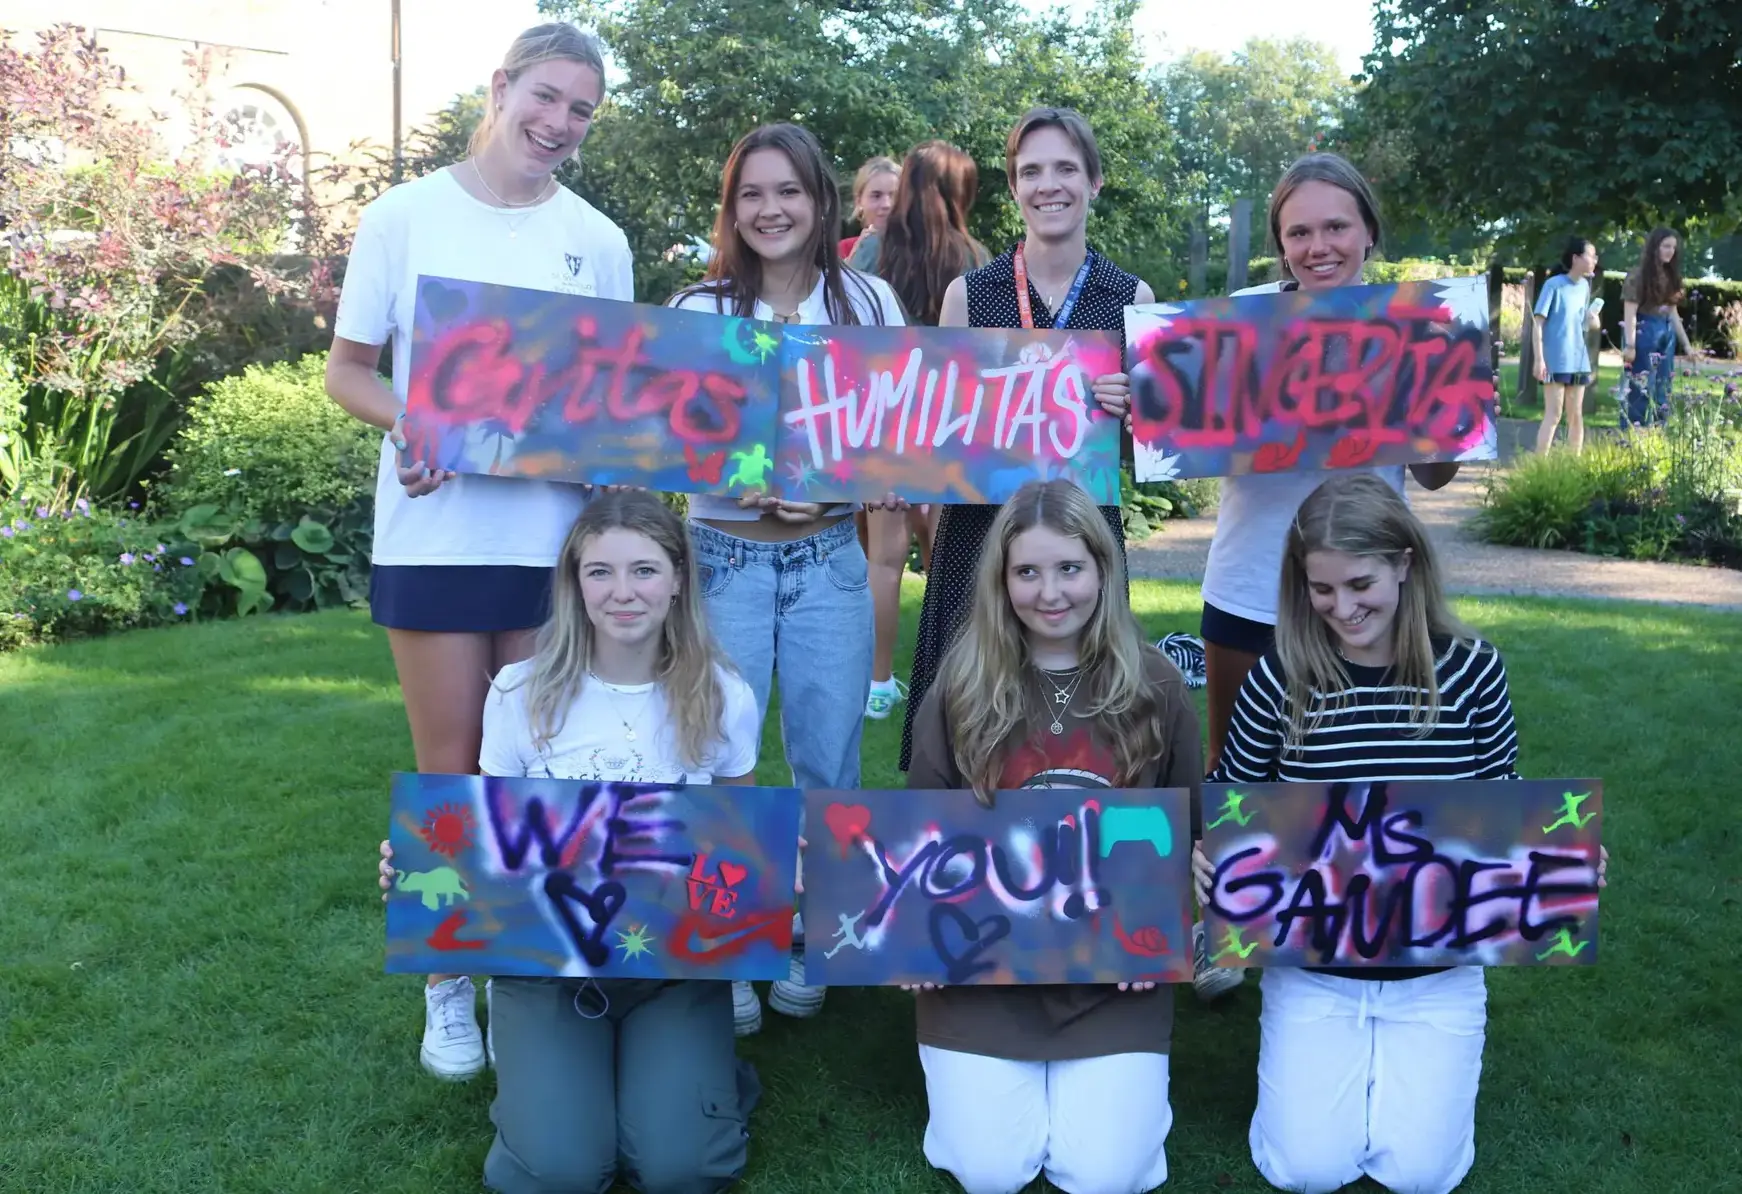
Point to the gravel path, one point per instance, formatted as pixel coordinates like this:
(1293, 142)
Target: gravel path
(1475, 567)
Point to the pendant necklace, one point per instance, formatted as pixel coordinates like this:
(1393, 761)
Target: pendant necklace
(628, 726)
(513, 228)
(1061, 697)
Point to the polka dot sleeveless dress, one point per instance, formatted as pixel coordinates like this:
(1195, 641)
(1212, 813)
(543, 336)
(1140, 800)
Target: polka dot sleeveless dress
(949, 586)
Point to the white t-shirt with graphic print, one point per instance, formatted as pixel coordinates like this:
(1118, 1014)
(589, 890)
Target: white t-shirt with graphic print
(432, 226)
(594, 744)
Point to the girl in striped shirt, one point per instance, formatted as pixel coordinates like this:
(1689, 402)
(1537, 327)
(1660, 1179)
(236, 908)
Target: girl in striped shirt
(1372, 678)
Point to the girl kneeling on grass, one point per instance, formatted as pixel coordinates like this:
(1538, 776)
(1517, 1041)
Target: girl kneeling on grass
(626, 684)
(1051, 685)
(1372, 678)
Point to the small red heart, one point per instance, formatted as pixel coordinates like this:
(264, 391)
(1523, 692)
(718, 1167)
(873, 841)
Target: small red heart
(848, 822)
(731, 874)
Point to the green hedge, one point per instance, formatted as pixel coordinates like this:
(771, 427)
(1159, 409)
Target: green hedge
(1702, 309)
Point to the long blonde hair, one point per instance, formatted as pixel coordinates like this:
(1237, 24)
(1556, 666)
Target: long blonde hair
(689, 664)
(555, 41)
(992, 703)
(881, 164)
(1359, 514)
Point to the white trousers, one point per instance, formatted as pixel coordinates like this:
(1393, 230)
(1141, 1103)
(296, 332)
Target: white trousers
(1369, 1078)
(1096, 1125)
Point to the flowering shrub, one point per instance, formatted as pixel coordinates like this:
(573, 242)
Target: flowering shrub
(108, 244)
(82, 571)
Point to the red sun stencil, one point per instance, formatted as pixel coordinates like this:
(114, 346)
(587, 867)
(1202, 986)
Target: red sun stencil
(448, 829)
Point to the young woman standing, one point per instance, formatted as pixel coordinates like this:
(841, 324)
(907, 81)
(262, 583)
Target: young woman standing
(1651, 327)
(1052, 278)
(1051, 684)
(1371, 678)
(874, 188)
(1563, 360)
(785, 583)
(462, 564)
(924, 246)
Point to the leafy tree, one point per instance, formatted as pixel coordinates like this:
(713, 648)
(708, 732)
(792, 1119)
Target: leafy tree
(1536, 118)
(1239, 121)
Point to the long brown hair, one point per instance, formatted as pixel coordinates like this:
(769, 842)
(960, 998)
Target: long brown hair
(555, 41)
(734, 277)
(688, 670)
(1359, 514)
(992, 703)
(1660, 282)
(1337, 171)
(926, 244)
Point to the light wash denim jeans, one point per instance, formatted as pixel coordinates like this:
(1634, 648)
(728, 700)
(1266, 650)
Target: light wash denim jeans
(1653, 364)
(801, 610)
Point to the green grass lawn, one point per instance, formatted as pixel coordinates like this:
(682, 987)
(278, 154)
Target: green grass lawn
(193, 997)
(1600, 407)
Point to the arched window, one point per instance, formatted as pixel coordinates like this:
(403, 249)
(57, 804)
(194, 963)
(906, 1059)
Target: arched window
(257, 129)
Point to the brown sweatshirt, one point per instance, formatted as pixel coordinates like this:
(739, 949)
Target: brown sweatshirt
(1059, 1023)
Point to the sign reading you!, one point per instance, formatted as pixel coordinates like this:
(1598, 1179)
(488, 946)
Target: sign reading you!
(1050, 885)
(573, 877)
(1343, 378)
(1485, 873)
(527, 383)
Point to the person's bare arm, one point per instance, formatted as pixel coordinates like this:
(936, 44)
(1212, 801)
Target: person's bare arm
(954, 313)
(354, 384)
(1629, 326)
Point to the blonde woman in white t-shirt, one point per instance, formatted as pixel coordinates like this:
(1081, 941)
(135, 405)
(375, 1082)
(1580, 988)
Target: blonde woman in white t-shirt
(785, 582)
(462, 564)
(625, 684)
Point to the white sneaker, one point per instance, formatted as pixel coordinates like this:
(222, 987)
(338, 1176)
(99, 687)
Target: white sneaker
(1210, 982)
(885, 695)
(490, 1021)
(746, 1009)
(453, 1048)
(790, 997)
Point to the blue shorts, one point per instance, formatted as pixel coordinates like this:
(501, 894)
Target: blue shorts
(1570, 379)
(459, 598)
(1220, 628)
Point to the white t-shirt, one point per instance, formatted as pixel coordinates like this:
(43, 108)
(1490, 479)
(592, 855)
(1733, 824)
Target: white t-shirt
(1252, 519)
(594, 744)
(432, 226)
(866, 292)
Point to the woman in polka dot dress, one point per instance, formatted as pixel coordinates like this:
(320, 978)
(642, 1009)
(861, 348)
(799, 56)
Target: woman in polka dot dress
(1051, 279)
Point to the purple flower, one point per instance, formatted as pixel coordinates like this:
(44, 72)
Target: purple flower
(187, 562)
(42, 511)
(161, 549)
(181, 609)
(82, 506)
(133, 505)
(157, 567)
(75, 595)
(20, 524)
(127, 558)
(7, 532)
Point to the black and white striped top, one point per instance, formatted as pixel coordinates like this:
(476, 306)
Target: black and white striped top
(1370, 738)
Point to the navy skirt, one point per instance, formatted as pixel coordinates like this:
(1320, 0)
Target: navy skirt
(459, 598)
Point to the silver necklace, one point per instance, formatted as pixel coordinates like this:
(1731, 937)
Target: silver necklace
(628, 725)
(1061, 697)
(514, 226)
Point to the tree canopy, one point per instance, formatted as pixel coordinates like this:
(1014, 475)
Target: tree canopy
(1537, 118)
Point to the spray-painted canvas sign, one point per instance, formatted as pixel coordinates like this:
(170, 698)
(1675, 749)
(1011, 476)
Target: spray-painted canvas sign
(1345, 378)
(572, 878)
(1050, 885)
(944, 414)
(526, 383)
(1495, 873)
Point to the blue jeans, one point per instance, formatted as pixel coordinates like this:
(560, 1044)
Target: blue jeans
(802, 610)
(1653, 359)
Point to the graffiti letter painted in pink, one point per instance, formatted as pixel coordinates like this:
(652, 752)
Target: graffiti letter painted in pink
(952, 415)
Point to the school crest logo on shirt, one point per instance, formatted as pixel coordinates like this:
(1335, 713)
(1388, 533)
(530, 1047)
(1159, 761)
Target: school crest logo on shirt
(574, 262)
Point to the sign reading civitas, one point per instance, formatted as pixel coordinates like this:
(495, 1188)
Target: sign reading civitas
(513, 382)
(944, 414)
(587, 878)
(1350, 377)
(1049, 885)
(526, 383)
(1492, 873)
